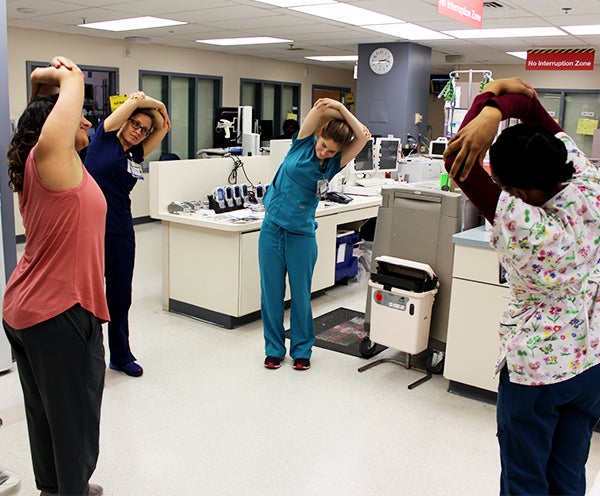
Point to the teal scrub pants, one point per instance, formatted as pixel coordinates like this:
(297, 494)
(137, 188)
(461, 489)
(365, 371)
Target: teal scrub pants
(282, 252)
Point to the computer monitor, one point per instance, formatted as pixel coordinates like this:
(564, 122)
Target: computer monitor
(437, 147)
(265, 127)
(226, 128)
(389, 152)
(363, 162)
(88, 91)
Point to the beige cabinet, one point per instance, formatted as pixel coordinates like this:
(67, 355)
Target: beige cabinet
(211, 268)
(478, 298)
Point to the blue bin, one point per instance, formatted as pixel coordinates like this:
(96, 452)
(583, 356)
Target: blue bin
(346, 265)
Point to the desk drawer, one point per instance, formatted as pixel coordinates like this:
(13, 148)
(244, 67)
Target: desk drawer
(476, 264)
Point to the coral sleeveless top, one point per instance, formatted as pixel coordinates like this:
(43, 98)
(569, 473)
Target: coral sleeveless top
(63, 262)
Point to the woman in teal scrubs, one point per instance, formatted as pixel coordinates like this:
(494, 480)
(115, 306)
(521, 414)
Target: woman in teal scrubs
(328, 139)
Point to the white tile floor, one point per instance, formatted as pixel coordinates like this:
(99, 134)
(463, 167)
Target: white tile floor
(207, 419)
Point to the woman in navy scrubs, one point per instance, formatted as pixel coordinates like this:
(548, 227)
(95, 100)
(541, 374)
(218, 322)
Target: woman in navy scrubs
(114, 158)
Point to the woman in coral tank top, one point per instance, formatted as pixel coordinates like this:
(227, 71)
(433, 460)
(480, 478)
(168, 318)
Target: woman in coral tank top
(54, 302)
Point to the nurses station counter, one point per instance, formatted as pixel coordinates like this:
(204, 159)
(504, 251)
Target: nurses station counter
(479, 296)
(210, 264)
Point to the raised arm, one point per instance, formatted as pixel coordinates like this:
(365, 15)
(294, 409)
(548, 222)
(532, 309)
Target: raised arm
(136, 101)
(502, 99)
(326, 109)
(57, 161)
(474, 138)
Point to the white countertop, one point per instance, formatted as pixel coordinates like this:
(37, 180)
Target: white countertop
(246, 220)
(478, 237)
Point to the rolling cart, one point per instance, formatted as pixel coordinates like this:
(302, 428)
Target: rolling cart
(402, 296)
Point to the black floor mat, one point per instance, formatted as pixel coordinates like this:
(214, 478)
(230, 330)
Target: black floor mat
(342, 330)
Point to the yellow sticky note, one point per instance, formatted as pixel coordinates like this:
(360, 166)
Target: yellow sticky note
(291, 115)
(587, 126)
(116, 101)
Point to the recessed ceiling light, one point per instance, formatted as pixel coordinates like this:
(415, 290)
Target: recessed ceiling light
(583, 29)
(256, 40)
(294, 3)
(348, 14)
(408, 31)
(334, 58)
(520, 55)
(505, 33)
(131, 24)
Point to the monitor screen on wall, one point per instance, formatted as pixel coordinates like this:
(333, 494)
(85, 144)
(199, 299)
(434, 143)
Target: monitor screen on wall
(389, 150)
(437, 148)
(364, 160)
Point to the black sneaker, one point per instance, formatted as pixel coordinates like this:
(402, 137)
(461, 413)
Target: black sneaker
(273, 362)
(301, 364)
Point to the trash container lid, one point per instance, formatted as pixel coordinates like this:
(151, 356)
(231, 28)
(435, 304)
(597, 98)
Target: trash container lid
(401, 262)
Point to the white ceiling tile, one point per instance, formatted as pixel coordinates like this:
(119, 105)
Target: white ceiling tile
(229, 18)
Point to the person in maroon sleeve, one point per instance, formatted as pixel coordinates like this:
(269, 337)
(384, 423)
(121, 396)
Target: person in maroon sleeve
(543, 200)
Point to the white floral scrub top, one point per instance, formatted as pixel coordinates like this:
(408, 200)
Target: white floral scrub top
(551, 329)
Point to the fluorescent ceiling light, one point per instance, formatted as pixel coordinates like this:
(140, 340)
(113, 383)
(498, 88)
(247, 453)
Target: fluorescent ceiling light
(131, 24)
(520, 55)
(505, 33)
(408, 31)
(348, 14)
(583, 29)
(294, 3)
(334, 58)
(256, 40)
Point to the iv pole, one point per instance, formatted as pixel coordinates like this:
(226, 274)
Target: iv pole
(487, 76)
(448, 93)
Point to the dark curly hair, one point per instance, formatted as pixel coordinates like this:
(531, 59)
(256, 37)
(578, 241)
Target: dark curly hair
(26, 136)
(529, 156)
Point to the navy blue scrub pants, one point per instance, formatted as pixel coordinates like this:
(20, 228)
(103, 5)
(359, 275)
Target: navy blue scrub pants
(119, 261)
(61, 367)
(281, 252)
(544, 434)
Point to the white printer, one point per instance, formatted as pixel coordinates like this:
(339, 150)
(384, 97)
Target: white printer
(417, 168)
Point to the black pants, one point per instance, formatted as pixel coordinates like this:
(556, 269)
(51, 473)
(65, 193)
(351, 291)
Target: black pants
(61, 367)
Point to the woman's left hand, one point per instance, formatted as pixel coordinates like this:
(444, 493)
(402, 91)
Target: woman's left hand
(137, 95)
(472, 142)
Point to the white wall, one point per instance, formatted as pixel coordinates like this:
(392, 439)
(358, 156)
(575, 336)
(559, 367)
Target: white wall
(25, 44)
(29, 45)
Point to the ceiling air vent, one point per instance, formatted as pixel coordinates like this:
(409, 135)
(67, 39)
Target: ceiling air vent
(493, 5)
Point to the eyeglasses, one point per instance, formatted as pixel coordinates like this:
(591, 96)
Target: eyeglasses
(137, 125)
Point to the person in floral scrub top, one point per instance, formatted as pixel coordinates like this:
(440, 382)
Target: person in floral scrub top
(543, 200)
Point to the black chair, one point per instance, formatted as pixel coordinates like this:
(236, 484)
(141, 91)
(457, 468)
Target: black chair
(169, 156)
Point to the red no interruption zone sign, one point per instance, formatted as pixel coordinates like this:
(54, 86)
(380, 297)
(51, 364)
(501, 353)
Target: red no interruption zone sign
(560, 59)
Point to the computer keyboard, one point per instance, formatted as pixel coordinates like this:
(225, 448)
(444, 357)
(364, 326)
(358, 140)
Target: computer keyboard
(370, 181)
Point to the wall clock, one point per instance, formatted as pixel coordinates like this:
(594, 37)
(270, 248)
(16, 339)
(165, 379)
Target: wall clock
(381, 61)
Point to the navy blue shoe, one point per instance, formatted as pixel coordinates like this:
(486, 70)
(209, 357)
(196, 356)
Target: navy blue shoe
(132, 369)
